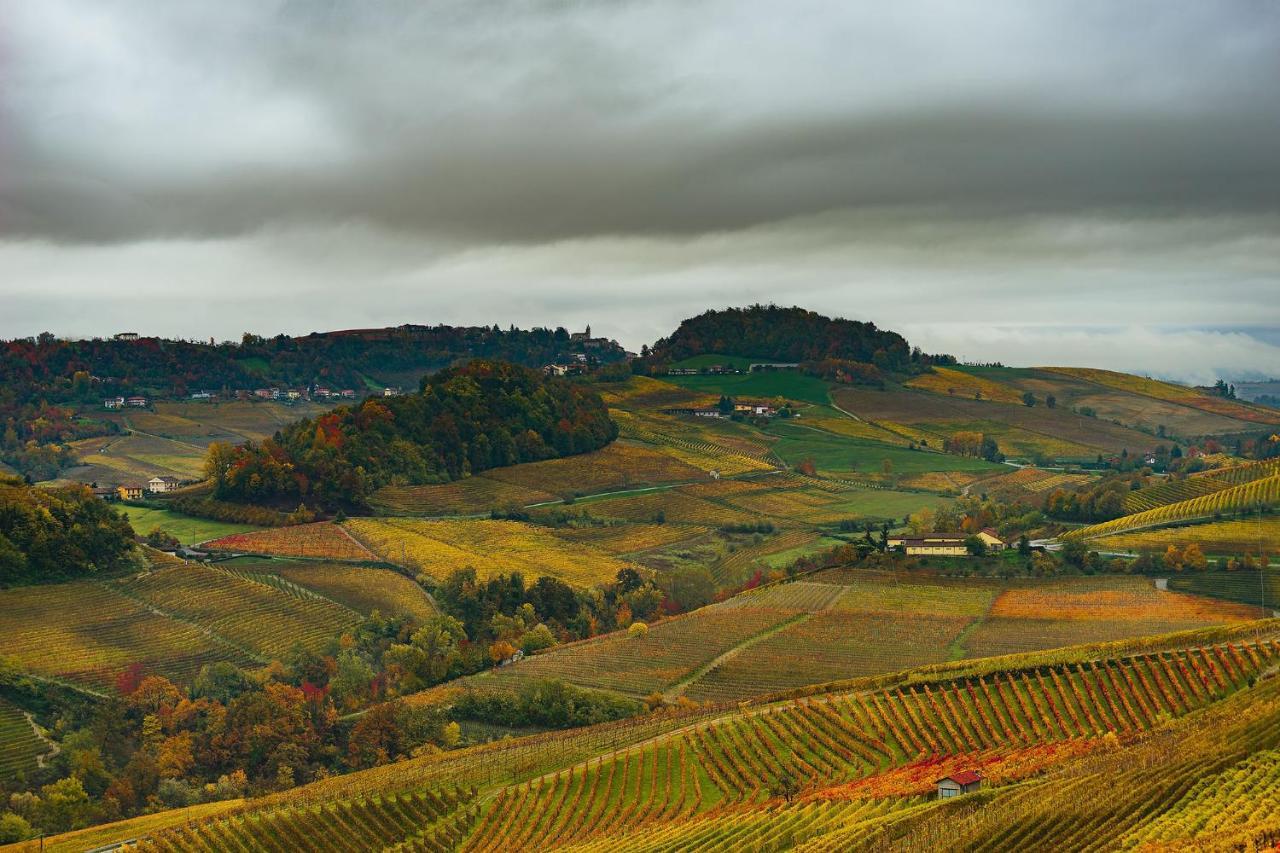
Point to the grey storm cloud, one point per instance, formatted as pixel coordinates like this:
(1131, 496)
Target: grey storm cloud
(1031, 167)
(547, 120)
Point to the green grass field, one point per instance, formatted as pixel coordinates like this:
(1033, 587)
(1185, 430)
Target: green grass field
(187, 529)
(797, 442)
(790, 384)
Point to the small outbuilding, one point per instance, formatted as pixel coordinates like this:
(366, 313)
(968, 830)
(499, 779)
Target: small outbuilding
(964, 782)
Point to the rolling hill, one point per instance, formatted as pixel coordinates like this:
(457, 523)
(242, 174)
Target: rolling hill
(1183, 720)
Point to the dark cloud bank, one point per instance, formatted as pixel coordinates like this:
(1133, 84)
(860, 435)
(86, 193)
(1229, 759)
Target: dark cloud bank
(1045, 181)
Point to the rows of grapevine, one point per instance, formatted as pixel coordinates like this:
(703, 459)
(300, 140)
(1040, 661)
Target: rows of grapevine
(469, 496)
(837, 644)
(736, 565)
(1236, 475)
(1237, 537)
(731, 762)
(775, 828)
(1247, 496)
(673, 505)
(254, 616)
(366, 823)
(88, 633)
(659, 782)
(671, 651)
(617, 466)
(19, 744)
(1243, 794)
(632, 538)
(321, 540)
(1171, 772)
(1172, 492)
(362, 588)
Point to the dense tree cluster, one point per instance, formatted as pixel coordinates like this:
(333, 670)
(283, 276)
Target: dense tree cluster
(56, 370)
(845, 372)
(465, 420)
(546, 703)
(975, 444)
(1100, 501)
(44, 379)
(786, 335)
(58, 534)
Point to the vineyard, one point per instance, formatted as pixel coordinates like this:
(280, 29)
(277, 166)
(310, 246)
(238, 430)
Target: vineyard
(1216, 537)
(261, 619)
(1245, 497)
(436, 548)
(88, 633)
(697, 780)
(1171, 492)
(20, 747)
(843, 624)
(361, 588)
(632, 538)
(425, 820)
(1174, 723)
(322, 540)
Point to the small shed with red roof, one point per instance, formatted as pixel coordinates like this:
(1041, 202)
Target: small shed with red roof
(956, 784)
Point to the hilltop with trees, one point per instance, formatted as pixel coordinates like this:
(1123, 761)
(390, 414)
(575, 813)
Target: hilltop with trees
(464, 420)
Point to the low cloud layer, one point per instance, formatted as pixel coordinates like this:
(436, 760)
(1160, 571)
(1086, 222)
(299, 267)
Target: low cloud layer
(202, 168)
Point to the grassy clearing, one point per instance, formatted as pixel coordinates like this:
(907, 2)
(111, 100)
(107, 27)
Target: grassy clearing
(797, 442)
(790, 384)
(188, 529)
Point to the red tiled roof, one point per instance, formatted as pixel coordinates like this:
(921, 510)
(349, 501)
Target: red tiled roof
(964, 777)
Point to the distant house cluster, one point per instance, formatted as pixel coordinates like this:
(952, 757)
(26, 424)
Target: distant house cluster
(946, 544)
(709, 370)
(121, 402)
(759, 410)
(318, 393)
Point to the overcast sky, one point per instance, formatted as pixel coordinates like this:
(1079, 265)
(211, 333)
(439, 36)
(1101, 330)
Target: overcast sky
(1092, 183)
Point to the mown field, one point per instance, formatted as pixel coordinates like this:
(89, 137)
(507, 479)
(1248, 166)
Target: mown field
(187, 529)
(1177, 729)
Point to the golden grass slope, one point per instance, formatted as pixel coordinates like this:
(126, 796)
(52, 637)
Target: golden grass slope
(436, 548)
(1173, 393)
(957, 383)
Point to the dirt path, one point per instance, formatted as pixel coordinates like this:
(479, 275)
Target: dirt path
(681, 686)
(54, 749)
